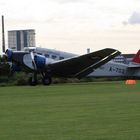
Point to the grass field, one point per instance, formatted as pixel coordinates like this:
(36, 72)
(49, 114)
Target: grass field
(88, 111)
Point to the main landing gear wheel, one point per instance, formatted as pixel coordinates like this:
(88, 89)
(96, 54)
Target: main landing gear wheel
(46, 80)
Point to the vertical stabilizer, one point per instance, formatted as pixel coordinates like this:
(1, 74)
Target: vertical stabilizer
(3, 35)
(136, 58)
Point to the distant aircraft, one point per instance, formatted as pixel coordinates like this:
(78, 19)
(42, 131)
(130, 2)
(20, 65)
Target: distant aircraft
(52, 63)
(115, 69)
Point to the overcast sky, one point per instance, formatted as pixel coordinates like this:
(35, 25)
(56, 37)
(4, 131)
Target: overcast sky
(75, 25)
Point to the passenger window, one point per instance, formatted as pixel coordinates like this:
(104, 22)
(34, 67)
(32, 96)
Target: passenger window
(54, 56)
(61, 57)
(47, 55)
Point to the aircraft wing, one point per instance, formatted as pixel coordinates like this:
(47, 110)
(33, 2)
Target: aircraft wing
(81, 66)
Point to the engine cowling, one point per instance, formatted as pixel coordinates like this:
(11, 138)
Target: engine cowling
(9, 54)
(40, 61)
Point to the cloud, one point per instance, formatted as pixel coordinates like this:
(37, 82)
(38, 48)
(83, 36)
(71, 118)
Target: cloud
(134, 18)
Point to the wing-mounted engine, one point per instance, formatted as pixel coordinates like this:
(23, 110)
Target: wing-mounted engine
(36, 62)
(40, 61)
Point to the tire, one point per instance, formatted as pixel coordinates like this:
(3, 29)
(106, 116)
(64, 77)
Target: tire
(46, 80)
(32, 82)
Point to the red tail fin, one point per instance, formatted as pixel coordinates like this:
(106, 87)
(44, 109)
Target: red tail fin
(136, 58)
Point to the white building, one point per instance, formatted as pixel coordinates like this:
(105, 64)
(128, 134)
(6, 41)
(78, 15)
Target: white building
(20, 39)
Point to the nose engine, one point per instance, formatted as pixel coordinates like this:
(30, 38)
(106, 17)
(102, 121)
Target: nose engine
(9, 54)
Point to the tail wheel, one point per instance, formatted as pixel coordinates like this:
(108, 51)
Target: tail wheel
(46, 80)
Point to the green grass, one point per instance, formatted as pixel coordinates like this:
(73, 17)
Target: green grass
(88, 111)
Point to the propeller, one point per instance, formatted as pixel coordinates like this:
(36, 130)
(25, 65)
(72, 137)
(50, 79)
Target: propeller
(9, 54)
(9, 57)
(40, 61)
(33, 60)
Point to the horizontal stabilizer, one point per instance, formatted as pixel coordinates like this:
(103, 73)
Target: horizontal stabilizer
(133, 65)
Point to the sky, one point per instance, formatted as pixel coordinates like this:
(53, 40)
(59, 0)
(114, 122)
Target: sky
(75, 25)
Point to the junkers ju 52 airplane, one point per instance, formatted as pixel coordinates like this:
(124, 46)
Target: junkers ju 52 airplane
(56, 63)
(120, 69)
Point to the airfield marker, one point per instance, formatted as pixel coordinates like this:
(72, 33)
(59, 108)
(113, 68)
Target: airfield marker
(130, 82)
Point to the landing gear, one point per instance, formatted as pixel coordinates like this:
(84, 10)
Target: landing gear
(33, 80)
(46, 79)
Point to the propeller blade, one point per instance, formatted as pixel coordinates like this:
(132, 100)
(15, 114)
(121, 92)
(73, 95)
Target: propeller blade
(33, 61)
(9, 54)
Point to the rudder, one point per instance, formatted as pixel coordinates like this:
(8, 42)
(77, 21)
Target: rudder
(136, 58)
